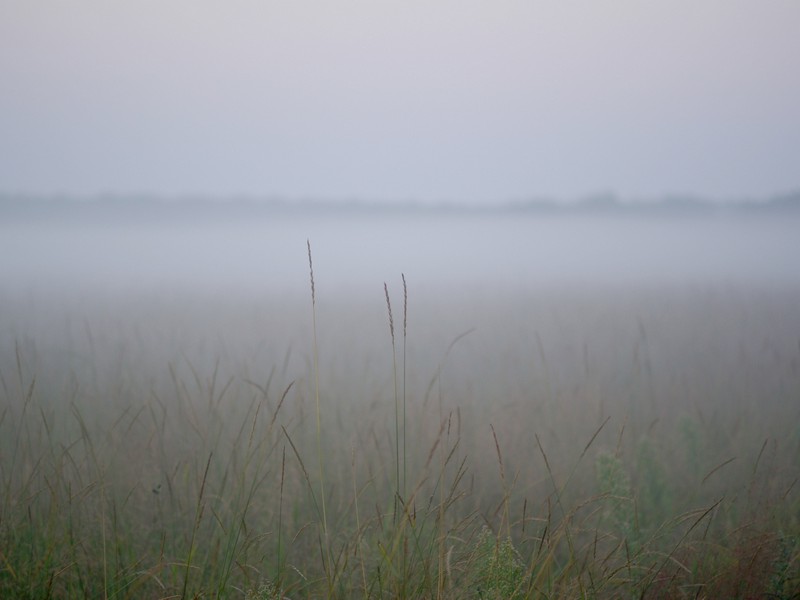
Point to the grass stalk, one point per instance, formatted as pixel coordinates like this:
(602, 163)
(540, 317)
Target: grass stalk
(198, 517)
(327, 551)
(358, 527)
(506, 520)
(405, 456)
(280, 550)
(399, 494)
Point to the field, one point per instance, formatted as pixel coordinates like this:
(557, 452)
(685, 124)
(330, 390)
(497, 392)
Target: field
(560, 441)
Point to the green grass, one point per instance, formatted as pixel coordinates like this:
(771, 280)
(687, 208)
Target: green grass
(637, 446)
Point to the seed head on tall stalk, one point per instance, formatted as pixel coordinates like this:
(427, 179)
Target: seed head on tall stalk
(319, 421)
(405, 330)
(398, 493)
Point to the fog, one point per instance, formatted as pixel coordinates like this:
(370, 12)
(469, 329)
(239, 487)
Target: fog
(192, 287)
(356, 252)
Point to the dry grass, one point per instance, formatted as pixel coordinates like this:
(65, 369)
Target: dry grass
(635, 443)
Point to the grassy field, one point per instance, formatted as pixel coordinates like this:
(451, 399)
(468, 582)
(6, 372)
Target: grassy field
(565, 442)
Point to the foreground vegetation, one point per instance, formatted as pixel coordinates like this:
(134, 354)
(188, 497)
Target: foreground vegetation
(640, 446)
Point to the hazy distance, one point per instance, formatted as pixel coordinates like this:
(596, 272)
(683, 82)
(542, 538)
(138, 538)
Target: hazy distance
(231, 247)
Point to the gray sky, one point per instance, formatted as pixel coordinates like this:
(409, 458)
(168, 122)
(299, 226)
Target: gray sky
(425, 100)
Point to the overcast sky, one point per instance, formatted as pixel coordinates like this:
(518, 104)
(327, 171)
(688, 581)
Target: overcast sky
(424, 100)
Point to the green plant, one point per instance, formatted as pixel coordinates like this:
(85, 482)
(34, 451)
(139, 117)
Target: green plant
(614, 485)
(654, 494)
(498, 568)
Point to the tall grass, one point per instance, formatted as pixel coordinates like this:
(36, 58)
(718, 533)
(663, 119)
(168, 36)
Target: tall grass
(123, 477)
